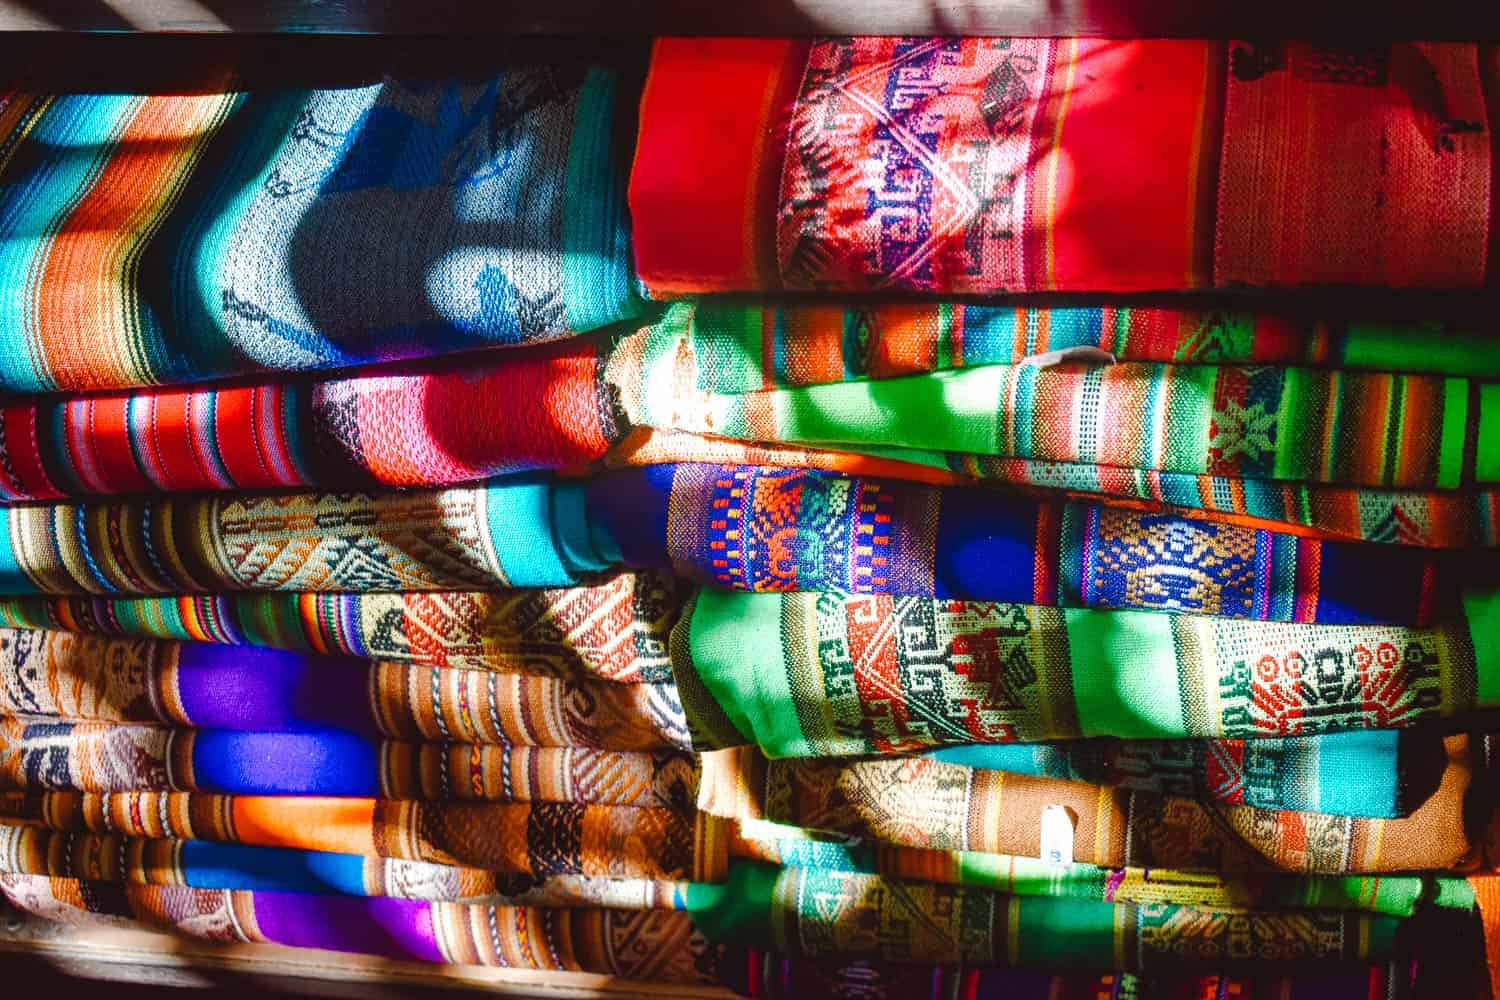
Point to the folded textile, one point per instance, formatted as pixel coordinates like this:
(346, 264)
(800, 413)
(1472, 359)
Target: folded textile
(1022, 876)
(636, 944)
(815, 912)
(59, 675)
(615, 630)
(941, 164)
(105, 757)
(1252, 422)
(1448, 519)
(522, 531)
(1360, 165)
(775, 976)
(979, 165)
(1445, 519)
(769, 529)
(154, 238)
(202, 864)
(429, 426)
(731, 346)
(205, 864)
(821, 674)
(1373, 773)
(527, 838)
(920, 802)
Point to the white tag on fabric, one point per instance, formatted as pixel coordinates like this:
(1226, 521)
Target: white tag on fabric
(1078, 355)
(1057, 835)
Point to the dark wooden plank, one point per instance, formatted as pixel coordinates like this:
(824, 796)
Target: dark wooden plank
(1328, 19)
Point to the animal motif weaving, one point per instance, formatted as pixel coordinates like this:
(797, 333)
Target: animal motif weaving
(1375, 772)
(157, 238)
(616, 630)
(203, 864)
(1250, 422)
(820, 674)
(923, 803)
(529, 838)
(775, 529)
(814, 912)
(972, 165)
(927, 164)
(512, 533)
(62, 675)
(53, 754)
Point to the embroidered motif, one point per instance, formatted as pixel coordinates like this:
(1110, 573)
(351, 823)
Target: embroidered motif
(1170, 563)
(908, 164)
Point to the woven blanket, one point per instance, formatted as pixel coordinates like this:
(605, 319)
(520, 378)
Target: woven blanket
(1366, 165)
(941, 164)
(154, 238)
(739, 347)
(103, 757)
(1400, 896)
(1252, 422)
(1447, 519)
(616, 630)
(929, 804)
(634, 944)
(524, 531)
(526, 838)
(1377, 772)
(202, 864)
(816, 912)
(773, 976)
(767, 529)
(1450, 519)
(215, 865)
(61, 675)
(820, 674)
(432, 426)
(981, 165)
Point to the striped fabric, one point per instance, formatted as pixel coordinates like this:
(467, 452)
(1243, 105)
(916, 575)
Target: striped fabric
(743, 347)
(516, 532)
(615, 630)
(967, 165)
(1247, 422)
(431, 426)
(156, 238)
(661, 945)
(818, 674)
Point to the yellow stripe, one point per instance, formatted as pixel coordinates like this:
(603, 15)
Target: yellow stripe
(1377, 840)
(1102, 831)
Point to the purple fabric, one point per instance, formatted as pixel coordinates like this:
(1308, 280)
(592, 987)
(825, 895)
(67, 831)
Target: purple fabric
(273, 690)
(393, 928)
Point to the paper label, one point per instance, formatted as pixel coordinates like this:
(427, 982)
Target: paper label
(1057, 835)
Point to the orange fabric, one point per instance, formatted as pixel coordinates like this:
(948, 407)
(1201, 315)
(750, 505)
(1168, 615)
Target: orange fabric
(317, 824)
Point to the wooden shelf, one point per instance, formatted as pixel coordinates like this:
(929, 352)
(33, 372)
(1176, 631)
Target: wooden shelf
(137, 962)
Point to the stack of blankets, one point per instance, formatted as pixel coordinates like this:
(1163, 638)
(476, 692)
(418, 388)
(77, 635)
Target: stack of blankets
(877, 517)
